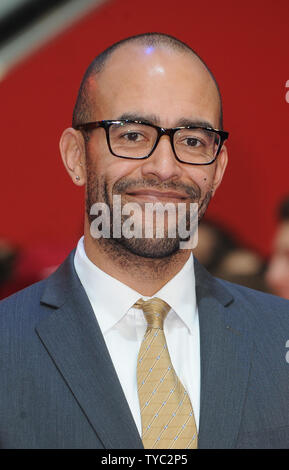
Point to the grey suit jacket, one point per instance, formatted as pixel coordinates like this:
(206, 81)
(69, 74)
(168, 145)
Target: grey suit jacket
(59, 389)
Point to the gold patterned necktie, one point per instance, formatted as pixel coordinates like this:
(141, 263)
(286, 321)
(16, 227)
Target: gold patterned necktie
(166, 412)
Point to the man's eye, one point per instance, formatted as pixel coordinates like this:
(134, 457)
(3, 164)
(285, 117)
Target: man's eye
(132, 136)
(192, 142)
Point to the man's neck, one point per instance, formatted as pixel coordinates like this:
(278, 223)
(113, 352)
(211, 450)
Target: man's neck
(145, 275)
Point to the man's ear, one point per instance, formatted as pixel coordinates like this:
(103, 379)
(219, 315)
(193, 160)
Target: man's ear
(221, 164)
(72, 149)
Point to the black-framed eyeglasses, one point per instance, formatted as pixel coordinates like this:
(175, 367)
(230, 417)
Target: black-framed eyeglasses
(137, 140)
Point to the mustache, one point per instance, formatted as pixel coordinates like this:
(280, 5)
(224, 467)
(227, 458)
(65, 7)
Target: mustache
(193, 192)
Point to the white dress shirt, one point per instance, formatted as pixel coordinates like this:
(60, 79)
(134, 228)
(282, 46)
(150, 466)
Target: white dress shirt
(123, 327)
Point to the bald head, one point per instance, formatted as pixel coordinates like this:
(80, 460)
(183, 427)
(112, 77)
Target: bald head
(85, 103)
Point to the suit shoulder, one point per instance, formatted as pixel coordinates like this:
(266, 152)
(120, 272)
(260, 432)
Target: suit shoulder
(259, 305)
(254, 296)
(24, 299)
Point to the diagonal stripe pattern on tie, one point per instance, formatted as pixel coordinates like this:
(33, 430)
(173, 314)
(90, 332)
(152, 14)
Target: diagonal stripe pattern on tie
(166, 412)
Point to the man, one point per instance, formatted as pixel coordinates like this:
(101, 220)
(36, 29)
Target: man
(131, 343)
(277, 275)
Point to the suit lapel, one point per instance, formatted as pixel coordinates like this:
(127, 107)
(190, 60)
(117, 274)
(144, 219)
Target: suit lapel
(71, 335)
(226, 344)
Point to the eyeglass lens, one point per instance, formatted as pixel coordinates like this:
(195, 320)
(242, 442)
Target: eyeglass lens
(136, 140)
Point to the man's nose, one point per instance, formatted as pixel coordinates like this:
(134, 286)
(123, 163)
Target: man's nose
(162, 163)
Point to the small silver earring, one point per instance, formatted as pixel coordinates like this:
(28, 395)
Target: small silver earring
(77, 178)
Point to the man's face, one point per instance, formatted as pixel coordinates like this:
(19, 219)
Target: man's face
(168, 89)
(277, 275)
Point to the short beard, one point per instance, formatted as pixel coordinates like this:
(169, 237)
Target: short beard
(155, 248)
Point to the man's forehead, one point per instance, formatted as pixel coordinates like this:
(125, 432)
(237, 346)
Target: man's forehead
(133, 54)
(137, 74)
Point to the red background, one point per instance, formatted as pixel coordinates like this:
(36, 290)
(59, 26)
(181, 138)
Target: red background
(246, 45)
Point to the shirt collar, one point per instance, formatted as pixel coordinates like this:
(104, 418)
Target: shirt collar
(111, 299)
(180, 293)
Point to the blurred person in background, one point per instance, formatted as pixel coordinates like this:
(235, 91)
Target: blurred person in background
(227, 258)
(22, 266)
(214, 243)
(8, 256)
(277, 275)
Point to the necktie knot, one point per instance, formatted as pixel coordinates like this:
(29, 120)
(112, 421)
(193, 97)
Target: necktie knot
(155, 311)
